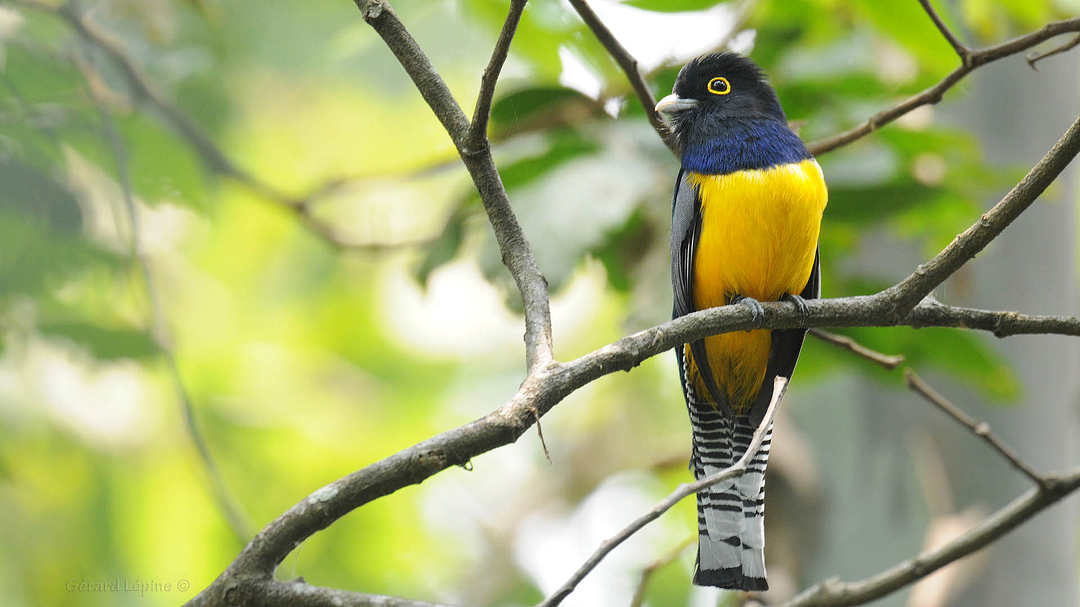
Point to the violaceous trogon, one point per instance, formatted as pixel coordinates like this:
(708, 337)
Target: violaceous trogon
(744, 229)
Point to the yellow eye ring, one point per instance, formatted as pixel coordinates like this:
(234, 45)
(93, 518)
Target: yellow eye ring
(719, 86)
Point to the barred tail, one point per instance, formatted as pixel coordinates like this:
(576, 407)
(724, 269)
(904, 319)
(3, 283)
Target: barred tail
(731, 513)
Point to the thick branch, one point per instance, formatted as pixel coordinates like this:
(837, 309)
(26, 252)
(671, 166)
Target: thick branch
(980, 429)
(967, 244)
(933, 94)
(629, 66)
(833, 593)
(516, 254)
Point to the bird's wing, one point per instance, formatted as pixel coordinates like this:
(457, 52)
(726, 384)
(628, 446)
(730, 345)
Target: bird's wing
(786, 345)
(685, 230)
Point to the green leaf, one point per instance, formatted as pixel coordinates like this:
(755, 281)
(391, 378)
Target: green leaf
(104, 342)
(537, 107)
(624, 247)
(564, 146)
(40, 226)
(446, 244)
(37, 196)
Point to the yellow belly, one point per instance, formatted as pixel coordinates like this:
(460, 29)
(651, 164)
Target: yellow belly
(759, 235)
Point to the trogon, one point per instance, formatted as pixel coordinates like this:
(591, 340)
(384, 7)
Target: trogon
(745, 219)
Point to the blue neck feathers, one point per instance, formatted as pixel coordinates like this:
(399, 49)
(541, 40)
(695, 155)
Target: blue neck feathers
(742, 145)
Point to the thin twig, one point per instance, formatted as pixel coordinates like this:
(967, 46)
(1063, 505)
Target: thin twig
(958, 46)
(888, 361)
(159, 331)
(976, 59)
(629, 66)
(477, 136)
(653, 567)
(1034, 58)
(980, 429)
(684, 490)
(833, 593)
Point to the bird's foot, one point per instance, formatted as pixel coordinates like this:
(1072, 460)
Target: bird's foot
(799, 303)
(756, 311)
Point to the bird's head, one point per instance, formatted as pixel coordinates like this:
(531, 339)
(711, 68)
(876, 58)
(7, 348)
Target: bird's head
(714, 90)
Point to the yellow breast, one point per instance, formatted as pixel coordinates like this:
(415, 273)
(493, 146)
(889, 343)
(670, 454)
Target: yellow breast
(759, 235)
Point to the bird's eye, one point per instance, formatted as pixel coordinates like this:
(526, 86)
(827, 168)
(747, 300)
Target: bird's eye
(719, 86)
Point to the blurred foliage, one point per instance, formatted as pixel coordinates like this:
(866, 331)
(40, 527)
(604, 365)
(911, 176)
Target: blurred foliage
(305, 363)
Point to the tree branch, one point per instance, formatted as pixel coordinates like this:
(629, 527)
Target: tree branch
(684, 490)
(958, 46)
(1034, 58)
(980, 429)
(478, 131)
(629, 66)
(975, 59)
(833, 593)
(888, 361)
(516, 254)
(966, 245)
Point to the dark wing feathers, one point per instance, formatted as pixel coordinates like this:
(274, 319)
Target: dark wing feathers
(685, 229)
(786, 345)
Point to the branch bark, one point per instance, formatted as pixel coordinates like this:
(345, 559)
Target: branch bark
(961, 50)
(980, 429)
(477, 136)
(887, 361)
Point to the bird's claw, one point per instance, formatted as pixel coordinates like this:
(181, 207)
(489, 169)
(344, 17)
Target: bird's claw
(757, 312)
(799, 303)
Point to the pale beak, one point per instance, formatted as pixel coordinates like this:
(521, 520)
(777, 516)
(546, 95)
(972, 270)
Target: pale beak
(673, 103)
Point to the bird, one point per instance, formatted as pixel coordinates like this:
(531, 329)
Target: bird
(746, 218)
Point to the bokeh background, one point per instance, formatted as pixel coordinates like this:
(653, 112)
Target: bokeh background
(302, 361)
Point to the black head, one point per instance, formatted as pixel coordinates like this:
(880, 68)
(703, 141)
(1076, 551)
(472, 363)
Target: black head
(718, 88)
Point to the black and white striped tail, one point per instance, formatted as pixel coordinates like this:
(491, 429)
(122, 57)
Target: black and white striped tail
(731, 513)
